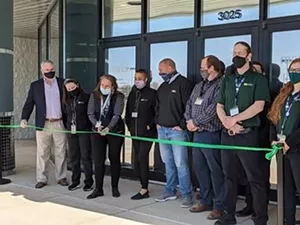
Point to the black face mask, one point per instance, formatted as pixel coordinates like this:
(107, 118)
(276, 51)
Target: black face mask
(239, 61)
(75, 92)
(50, 75)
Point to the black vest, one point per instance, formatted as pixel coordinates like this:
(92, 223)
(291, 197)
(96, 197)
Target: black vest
(119, 127)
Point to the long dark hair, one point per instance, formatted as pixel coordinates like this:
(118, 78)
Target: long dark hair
(109, 77)
(66, 96)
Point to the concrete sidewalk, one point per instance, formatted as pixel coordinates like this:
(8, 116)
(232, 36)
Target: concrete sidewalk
(21, 204)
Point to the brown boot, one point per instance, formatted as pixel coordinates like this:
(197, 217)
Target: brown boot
(215, 215)
(200, 208)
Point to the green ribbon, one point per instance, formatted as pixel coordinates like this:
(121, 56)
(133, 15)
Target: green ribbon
(271, 151)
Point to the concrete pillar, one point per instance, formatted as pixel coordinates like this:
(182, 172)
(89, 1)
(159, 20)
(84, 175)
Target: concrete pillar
(6, 85)
(81, 39)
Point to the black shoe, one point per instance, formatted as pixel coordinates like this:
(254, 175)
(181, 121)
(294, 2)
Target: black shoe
(115, 193)
(40, 185)
(227, 219)
(139, 196)
(254, 215)
(74, 186)
(96, 193)
(88, 187)
(247, 211)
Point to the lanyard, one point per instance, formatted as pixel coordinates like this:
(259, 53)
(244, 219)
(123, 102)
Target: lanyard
(237, 88)
(137, 100)
(202, 88)
(287, 109)
(102, 107)
(73, 108)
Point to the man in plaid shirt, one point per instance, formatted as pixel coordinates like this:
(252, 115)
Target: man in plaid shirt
(202, 119)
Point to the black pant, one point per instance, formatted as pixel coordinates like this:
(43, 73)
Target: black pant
(252, 163)
(80, 149)
(141, 161)
(99, 146)
(244, 181)
(292, 184)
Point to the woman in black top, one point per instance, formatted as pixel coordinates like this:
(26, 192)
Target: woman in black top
(105, 108)
(75, 103)
(140, 116)
(285, 117)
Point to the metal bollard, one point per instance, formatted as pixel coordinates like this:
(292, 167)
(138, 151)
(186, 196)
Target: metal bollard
(280, 188)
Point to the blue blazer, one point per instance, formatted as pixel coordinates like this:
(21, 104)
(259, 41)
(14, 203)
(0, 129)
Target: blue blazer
(36, 98)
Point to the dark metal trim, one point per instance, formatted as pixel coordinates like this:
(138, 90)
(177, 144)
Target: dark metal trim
(61, 37)
(197, 14)
(144, 17)
(99, 29)
(39, 50)
(47, 37)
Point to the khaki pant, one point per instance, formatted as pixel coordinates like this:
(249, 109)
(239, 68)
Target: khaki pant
(47, 140)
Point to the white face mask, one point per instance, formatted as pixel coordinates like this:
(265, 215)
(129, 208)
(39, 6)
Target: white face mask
(105, 91)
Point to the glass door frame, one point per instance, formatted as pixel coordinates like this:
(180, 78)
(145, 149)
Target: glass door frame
(169, 37)
(268, 40)
(102, 47)
(251, 30)
(267, 49)
(225, 32)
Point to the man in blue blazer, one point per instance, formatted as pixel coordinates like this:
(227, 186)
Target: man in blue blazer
(45, 95)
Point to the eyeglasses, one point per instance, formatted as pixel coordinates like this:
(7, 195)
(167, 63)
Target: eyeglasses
(294, 70)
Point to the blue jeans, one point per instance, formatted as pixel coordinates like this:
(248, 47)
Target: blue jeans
(175, 158)
(208, 169)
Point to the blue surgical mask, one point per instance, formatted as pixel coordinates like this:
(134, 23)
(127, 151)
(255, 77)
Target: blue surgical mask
(294, 77)
(105, 91)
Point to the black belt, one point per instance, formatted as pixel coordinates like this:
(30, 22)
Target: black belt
(245, 131)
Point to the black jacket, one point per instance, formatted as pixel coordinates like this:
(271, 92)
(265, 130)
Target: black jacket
(36, 97)
(171, 102)
(113, 118)
(143, 102)
(80, 109)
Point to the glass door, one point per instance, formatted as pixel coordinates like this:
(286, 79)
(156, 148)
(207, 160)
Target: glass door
(180, 49)
(283, 46)
(121, 61)
(221, 43)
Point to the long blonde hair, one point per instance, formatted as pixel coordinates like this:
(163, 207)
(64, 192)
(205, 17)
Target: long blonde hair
(275, 113)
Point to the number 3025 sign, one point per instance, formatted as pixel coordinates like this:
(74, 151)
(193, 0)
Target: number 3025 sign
(230, 15)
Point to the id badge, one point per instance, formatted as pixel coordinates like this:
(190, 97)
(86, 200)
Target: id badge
(73, 129)
(134, 115)
(281, 137)
(98, 124)
(234, 111)
(198, 101)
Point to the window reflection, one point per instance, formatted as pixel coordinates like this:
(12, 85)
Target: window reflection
(278, 8)
(170, 15)
(224, 11)
(223, 47)
(121, 17)
(81, 42)
(284, 54)
(121, 63)
(54, 39)
(174, 50)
